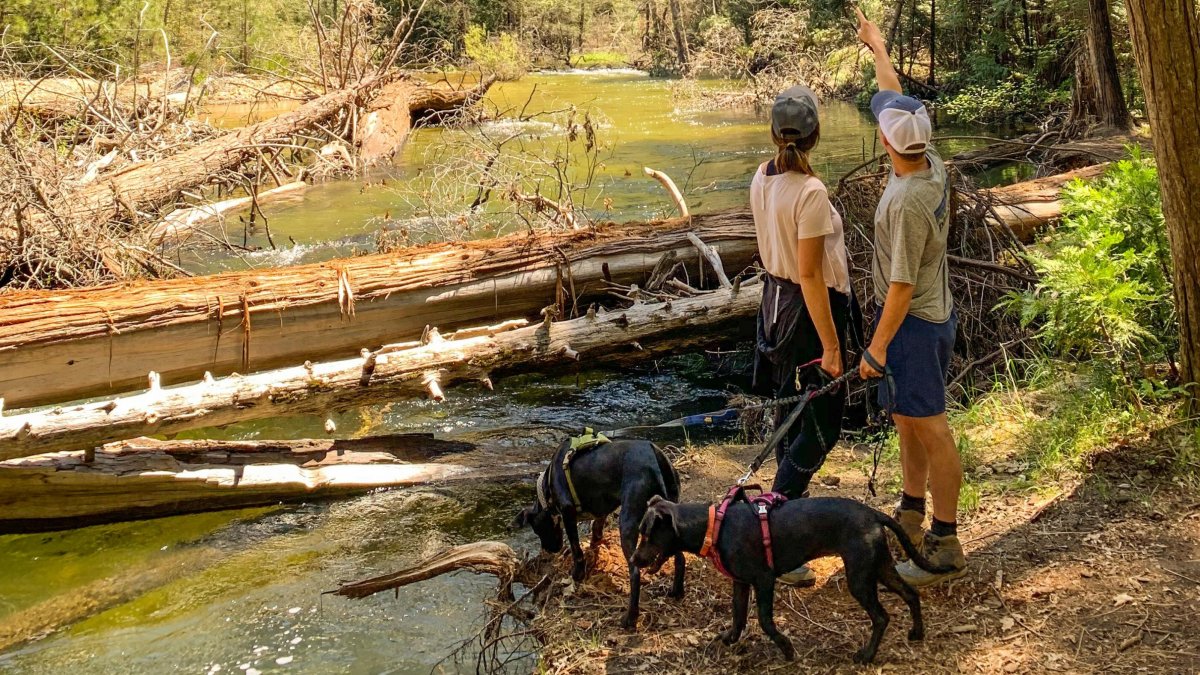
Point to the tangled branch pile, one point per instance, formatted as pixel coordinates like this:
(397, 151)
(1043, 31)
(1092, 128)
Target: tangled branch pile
(986, 265)
(91, 162)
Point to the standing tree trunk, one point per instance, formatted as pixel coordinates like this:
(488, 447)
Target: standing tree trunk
(1097, 97)
(932, 42)
(681, 46)
(245, 33)
(1166, 42)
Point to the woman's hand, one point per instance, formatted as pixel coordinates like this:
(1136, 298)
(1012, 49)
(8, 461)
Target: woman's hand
(831, 362)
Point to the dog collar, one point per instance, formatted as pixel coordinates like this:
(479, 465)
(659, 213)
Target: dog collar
(710, 532)
(541, 490)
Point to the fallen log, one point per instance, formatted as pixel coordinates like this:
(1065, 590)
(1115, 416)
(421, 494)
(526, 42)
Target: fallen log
(180, 222)
(1028, 206)
(59, 346)
(389, 373)
(391, 114)
(147, 478)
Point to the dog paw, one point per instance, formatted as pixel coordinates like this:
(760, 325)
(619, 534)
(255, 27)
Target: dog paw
(675, 593)
(915, 635)
(864, 655)
(629, 623)
(579, 571)
(728, 637)
(789, 652)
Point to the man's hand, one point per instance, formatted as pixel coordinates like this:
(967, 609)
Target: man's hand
(868, 32)
(865, 370)
(831, 362)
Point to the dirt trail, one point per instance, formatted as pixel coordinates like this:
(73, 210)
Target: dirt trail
(1102, 575)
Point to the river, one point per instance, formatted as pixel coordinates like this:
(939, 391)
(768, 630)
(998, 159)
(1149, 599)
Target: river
(239, 591)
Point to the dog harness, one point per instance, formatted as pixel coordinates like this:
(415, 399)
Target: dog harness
(763, 503)
(588, 440)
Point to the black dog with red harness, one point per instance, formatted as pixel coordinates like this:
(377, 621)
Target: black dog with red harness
(754, 540)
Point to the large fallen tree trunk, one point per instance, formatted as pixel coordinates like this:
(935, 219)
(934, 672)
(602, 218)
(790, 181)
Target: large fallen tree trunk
(392, 372)
(66, 345)
(156, 184)
(144, 478)
(1028, 206)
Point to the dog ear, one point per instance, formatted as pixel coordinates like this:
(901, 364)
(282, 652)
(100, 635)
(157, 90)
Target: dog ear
(521, 519)
(673, 513)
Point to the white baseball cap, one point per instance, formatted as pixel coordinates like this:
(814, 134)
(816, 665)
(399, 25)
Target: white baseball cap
(903, 120)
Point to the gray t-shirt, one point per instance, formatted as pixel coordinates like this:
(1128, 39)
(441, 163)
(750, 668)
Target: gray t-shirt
(911, 224)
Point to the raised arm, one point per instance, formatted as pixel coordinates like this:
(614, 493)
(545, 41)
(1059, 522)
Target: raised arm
(885, 74)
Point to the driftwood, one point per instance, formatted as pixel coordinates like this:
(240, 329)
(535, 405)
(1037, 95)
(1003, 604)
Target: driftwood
(66, 345)
(1028, 206)
(672, 190)
(180, 222)
(389, 373)
(481, 557)
(144, 478)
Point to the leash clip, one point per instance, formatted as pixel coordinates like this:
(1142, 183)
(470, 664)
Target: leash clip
(746, 478)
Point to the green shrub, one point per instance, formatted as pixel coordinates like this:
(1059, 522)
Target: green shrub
(1105, 291)
(1007, 101)
(502, 55)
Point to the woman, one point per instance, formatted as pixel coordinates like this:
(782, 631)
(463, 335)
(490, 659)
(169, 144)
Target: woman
(808, 316)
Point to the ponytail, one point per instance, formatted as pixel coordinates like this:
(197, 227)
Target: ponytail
(792, 154)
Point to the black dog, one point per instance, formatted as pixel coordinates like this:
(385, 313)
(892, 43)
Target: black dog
(623, 474)
(801, 529)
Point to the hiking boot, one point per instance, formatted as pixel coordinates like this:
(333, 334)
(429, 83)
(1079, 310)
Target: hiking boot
(941, 552)
(913, 524)
(801, 577)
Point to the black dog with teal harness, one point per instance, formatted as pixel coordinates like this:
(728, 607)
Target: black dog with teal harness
(589, 477)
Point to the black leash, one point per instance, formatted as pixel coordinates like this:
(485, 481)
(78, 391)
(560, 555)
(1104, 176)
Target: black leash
(884, 416)
(782, 429)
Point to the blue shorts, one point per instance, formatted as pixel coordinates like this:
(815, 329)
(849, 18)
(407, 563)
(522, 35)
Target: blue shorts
(919, 357)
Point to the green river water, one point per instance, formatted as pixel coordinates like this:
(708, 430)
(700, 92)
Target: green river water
(239, 591)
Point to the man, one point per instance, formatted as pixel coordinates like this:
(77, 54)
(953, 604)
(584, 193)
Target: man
(915, 322)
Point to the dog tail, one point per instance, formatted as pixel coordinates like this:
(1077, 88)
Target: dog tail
(914, 554)
(667, 475)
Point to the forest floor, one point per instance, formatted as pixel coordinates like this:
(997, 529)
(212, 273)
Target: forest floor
(1093, 574)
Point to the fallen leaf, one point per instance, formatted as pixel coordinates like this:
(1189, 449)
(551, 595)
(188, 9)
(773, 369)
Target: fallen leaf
(1087, 574)
(964, 628)
(1007, 623)
(1122, 599)
(1012, 667)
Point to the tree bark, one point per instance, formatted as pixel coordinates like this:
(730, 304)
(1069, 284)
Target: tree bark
(681, 46)
(1097, 97)
(395, 371)
(932, 42)
(66, 345)
(1166, 42)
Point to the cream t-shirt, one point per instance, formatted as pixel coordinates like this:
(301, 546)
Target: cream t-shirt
(791, 206)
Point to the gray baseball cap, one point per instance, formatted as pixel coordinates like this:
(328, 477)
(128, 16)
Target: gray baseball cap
(794, 114)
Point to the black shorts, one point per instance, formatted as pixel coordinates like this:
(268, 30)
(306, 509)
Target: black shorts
(919, 357)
